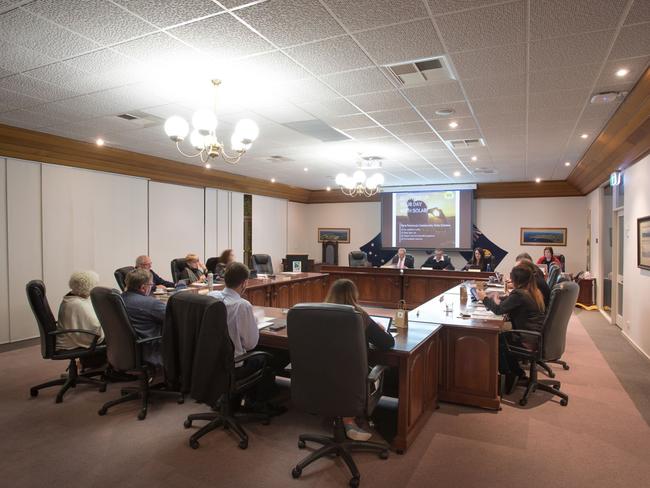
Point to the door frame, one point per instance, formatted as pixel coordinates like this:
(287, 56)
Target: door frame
(617, 274)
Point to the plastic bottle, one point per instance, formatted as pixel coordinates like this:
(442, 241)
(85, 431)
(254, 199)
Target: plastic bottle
(210, 281)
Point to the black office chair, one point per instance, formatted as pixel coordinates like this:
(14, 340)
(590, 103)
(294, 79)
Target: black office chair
(211, 264)
(47, 328)
(553, 276)
(120, 276)
(177, 267)
(262, 263)
(329, 377)
(125, 351)
(203, 320)
(358, 259)
(330, 253)
(541, 347)
(562, 261)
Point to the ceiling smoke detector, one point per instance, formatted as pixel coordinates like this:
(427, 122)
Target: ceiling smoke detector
(445, 112)
(607, 97)
(369, 162)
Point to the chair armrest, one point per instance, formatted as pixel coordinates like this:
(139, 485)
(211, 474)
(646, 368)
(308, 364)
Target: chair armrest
(146, 340)
(70, 331)
(529, 335)
(253, 354)
(377, 372)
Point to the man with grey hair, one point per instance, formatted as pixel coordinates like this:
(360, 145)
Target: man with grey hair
(144, 262)
(77, 312)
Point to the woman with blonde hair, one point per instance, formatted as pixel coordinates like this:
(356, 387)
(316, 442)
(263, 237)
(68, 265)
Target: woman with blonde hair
(194, 269)
(344, 292)
(77, 312)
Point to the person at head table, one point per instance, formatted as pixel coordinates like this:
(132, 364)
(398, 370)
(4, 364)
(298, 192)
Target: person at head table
(401, 260)
(479, 261)
(549, 259)
(144, 262)
(439, 260)
(194, 270)
(227, 257)
(345, 292)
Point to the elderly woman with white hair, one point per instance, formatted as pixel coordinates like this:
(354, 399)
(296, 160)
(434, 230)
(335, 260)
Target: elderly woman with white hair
(77, 312)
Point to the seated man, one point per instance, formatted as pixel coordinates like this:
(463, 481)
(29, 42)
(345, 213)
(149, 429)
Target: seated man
(242, 327)
(144, 262)
(439, 260)
(146, 312)
(401, 260)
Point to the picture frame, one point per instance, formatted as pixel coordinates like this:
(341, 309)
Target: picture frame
(543, 236)
(338, 234)
(643, 242)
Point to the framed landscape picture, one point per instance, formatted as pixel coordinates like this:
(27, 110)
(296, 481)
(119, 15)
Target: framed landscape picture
(643, 242)
(334, 234)
(543, 236)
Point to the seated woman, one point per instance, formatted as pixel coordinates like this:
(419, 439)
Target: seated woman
(194, 270)
(479, 260)
(525, 307)
(549, 259)
(345, 292)
(77, 312)
(225, 259)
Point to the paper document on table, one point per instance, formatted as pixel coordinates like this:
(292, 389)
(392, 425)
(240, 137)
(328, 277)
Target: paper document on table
(492, 289)
(264, 324)
(485, 314)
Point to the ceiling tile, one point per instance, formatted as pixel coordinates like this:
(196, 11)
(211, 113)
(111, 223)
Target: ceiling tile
(420, 127)
(102, 61)
(640, 12)
(403, 42)
(492, 61)
(430, 94)
(367, 14)
(35, 88)
(566, 78)
(27, 30)
(501, 105)
(501, 119)
(307, 90)
(75, 81)
(329, 108)
(371, 102)
(424, 139)
(461, 109)
(558, 18)
(632, 41)
(98, 20)
(439, 7)
(397, 116)
(346, 122)
(359, 81)
(589, 48)
(463, 123)
(569, 114)
(484, 27)
(222, 37)
(158, 48)
(497, 86)
(331, 56)
(451, 135)
(558, 99)
(15, 58)
(636, 67)
(11, 100)
(269, 68)
(164, 13)
(291, 22)
(367, 133)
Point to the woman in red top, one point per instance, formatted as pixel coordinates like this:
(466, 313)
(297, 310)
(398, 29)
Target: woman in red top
(549, 258)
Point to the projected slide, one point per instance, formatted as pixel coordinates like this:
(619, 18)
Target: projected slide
(425, 220)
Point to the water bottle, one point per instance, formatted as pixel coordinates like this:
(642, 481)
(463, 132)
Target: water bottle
(210, 281)
(488, 268)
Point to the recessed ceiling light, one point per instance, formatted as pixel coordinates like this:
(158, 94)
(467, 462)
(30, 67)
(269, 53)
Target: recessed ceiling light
(305, 169)
(567, 163)
(99, 141)
(272, 180)
(208, 166)
(328, 188)
(538, 180)
(584, 136)
(453, 125)
(474, 158)
(445, 112)
(622, 72)
(456, 173)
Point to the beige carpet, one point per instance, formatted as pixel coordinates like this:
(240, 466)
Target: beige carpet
(598, 440)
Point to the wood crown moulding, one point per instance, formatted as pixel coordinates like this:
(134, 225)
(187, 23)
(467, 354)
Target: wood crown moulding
(624, 141)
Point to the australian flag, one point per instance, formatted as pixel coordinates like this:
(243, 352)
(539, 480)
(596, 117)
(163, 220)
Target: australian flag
(376, 256)
(479, 240)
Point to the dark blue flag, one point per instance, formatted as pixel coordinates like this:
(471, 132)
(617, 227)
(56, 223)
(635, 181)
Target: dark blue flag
(376, 256)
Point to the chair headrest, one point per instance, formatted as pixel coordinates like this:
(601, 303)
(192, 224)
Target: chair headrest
(357, 254)
(261, 258)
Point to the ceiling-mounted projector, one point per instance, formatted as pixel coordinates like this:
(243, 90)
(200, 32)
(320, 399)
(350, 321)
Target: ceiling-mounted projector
(608, 97)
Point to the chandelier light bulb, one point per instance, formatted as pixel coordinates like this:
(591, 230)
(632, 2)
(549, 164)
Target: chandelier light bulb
(205, 121)
(196, 140)
(358, 176)
(247, 130)
(379, 178)
(176, 128)
(236, 143)
(371, 183)
(349, 184)
(340, 179)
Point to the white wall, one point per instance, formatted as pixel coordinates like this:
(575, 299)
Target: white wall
(270, 228)
(636, 306)
(4, 277)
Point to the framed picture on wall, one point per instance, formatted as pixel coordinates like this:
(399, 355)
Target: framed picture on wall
(339, 234)
(543, 236)
(643, 242)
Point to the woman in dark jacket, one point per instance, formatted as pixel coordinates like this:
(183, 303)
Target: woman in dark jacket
(225, 259)
(479, 260)
(345, 292)
(525, 308)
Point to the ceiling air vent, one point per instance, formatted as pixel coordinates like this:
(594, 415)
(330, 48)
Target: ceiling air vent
(466, 143)
(127, 116)
(433, 70)
(484, 171)
(142, 119)
(278, 159)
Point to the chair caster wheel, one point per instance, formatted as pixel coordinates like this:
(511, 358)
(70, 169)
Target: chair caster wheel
(383, 454)
(243, 444)
(33, 392)
(142, 414)
(301, 444)
(400, 452)
(354, 482)
(523, 402)
(101, 412)
(194, 444)
(565, 367)
(564, 402)
(58, 399)
(556, 387)
(102, 389)
(180, 400)
(296, 472)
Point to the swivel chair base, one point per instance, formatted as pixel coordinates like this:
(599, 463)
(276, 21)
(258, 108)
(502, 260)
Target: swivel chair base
(338, 445)
(549, 386)
(547, 369)
(70, 380)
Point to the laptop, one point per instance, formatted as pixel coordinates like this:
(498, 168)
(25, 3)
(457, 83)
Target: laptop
(385, 322)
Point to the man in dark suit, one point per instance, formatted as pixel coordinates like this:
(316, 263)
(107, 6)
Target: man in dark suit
(439, 260)
(402, 260)
(145, 312)
(144, 262)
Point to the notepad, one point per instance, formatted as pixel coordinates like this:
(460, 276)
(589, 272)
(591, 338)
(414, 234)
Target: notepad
(262, 325)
